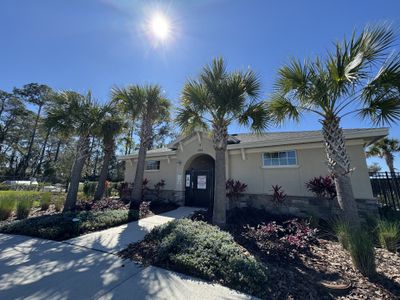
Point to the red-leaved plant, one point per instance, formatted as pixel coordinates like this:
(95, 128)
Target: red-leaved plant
(158, 187)
(278, 195)
(235, 189)
(322, 186)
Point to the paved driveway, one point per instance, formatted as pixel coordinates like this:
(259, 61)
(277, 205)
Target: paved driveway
(32, 268)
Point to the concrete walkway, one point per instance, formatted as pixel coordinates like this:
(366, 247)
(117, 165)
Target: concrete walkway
(32, 268)
(115, 239)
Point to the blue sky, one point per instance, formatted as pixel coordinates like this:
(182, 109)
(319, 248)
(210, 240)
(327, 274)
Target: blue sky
(95, 44)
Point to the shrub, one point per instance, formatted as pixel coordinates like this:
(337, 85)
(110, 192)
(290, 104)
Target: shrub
(158, 187)
(282, 240)
(278, 195)
(59, 202)
(45, 199)
(60, 226)
(144, 209)
(7, 206)
(89, 188)
(388, 234)
(322, 186)
(235, 189)
(362, 251)
(24, 206)
(202, 250)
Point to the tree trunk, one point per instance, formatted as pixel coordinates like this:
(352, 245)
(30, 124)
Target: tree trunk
(108, 152)
(339, 166)
(37, 169)
(57, 151)
(220, 138)
(81, 156)
(25, 163)
(145, 136)
(389, 161)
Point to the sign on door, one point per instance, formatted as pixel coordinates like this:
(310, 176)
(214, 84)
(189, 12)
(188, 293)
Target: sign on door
(202, 182)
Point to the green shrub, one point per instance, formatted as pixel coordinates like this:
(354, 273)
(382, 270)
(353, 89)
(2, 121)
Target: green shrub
(362, 251)
(7, 206)
(60, 226)
(23, 207)
(202, 250)
(59, 202)
(388, 234)
(89, 188)
(45, 199)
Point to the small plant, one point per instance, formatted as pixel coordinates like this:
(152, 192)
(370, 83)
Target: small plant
(125, 191)
(362, 251)
(144, 209)
(45, 199)
(341, 230)
(7, 206)
(23, 208)
(158, 187)
(388, 234)
(278, 195)
(58, 202)
(235, 189)
(322, 187)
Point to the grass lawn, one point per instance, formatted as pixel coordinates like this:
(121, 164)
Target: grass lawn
(64, 226)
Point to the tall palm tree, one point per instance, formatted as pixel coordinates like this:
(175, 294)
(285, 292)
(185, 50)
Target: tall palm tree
(79, 115)
(212, 102)
(110, 127)
(150, 108)
(337, 86)
(385, 149)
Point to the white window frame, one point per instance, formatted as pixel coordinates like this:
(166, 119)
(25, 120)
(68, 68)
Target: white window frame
(265, 166)
(153, 170)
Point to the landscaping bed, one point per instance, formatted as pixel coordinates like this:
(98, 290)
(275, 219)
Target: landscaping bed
(65, 226)
(204, 251)
(298, 261)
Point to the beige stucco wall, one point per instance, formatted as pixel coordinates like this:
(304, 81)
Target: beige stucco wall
(167, 172)
(311, 163)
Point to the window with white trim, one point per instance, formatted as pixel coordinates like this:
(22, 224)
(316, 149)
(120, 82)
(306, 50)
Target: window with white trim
(153, 165)
(281, 158)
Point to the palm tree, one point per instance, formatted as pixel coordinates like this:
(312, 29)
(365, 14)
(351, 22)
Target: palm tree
(111, 126)
(337, 86)
(385, 148)
(212, 102)
(150, 108)
(76, 114)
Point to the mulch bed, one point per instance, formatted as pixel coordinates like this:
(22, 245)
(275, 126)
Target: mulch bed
(324, 271)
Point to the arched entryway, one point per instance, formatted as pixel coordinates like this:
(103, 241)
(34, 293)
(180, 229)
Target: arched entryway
(199, 181)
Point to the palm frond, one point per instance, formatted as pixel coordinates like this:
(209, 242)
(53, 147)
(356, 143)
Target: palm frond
(189, 120)
(255, 116)
(382, 111)
(280, 108)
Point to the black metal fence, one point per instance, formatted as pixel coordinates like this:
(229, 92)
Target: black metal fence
(386, 188)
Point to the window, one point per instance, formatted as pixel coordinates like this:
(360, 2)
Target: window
(284, 158)
(153, 165)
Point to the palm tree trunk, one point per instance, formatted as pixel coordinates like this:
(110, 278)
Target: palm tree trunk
(108, 151)
(339, 166)
(145, 136)
(220, 138)
(80, 159)
(389, 161)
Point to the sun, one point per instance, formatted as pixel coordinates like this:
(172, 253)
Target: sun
(160, 26)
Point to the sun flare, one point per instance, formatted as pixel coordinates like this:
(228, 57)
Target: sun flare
(160, 26)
